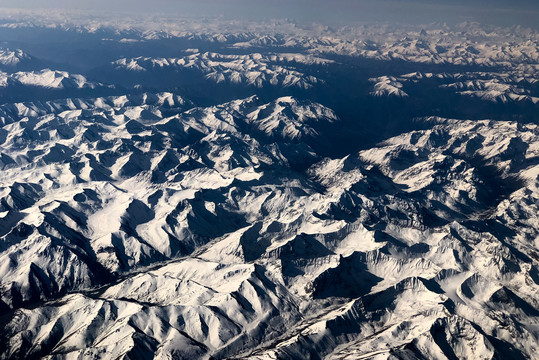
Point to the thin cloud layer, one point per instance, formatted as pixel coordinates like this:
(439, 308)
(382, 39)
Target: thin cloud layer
(336, 12)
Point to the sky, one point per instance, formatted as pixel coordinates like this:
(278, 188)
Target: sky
(331, 12)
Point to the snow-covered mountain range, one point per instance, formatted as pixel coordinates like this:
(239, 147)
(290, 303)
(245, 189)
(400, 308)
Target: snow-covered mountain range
(46, 79)
(191, 235)
(303, 194)
(511, 86)
(248, 70)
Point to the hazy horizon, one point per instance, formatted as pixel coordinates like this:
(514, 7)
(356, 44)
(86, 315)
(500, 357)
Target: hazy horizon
(339, 12)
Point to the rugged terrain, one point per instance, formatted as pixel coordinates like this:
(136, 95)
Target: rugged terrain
(250, 207)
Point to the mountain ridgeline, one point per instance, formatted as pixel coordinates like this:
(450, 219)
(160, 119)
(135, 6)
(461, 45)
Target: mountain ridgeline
(268, 193)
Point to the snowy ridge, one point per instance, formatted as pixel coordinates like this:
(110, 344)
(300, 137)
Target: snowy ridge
(105, 148)
(131, 105)
(251, 70)
(468, 44)
(514, 85)
(50, 79)
(12, 58)
(387, 86)
(177, 238)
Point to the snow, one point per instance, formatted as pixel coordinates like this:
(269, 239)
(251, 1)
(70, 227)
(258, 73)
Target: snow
(140, 225)
(509, 86)
(387, 86)
(252, 70)
(12, 58)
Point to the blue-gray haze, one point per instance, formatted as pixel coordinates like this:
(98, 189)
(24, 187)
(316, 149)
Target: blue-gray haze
(333, 12)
